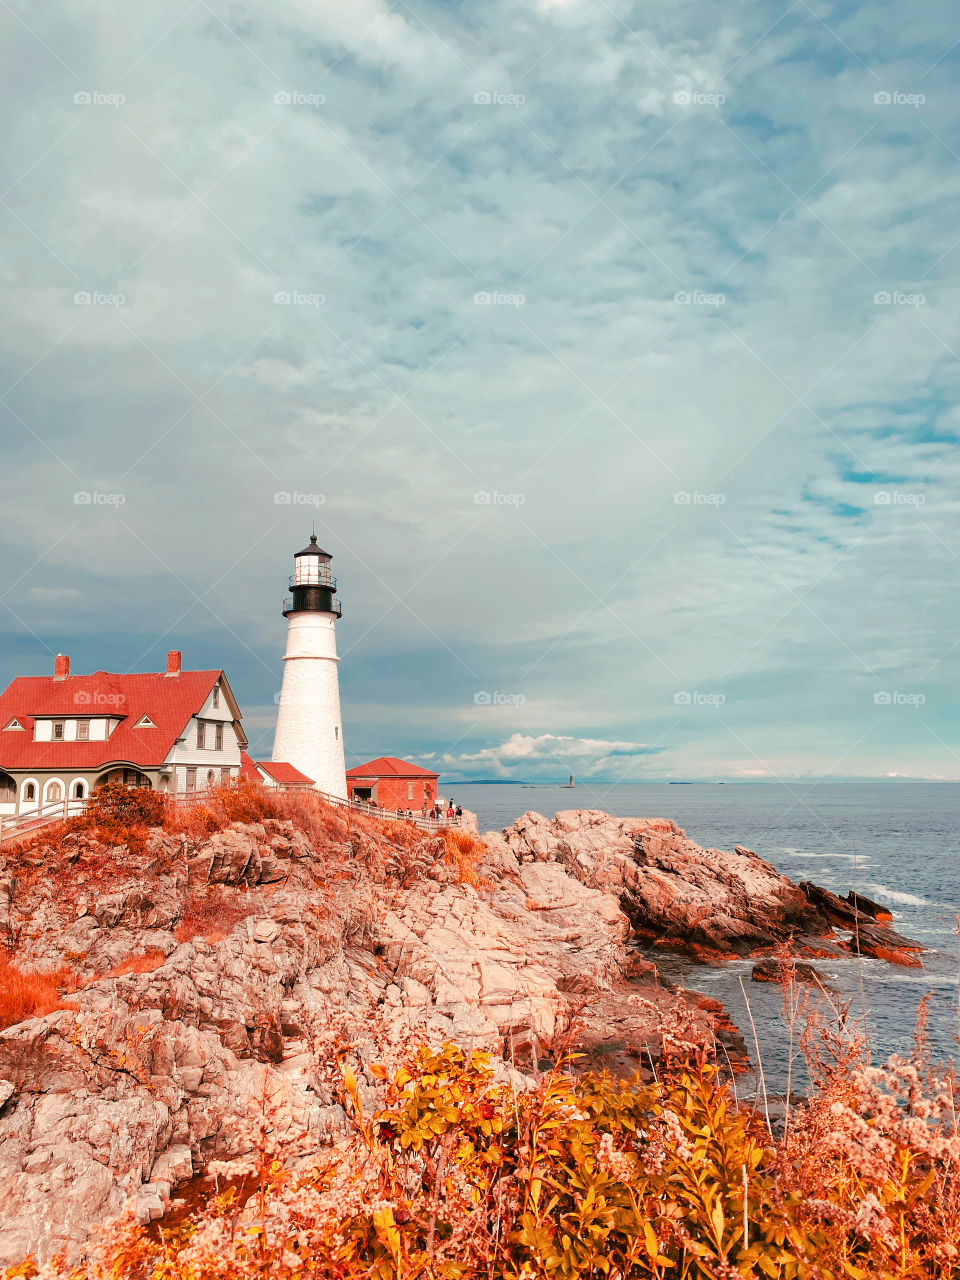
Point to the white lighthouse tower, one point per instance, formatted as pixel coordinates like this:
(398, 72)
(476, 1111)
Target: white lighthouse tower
(309, 731)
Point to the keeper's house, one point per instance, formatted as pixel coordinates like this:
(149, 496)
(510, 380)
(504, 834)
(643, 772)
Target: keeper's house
(396, 784)
(61, 736)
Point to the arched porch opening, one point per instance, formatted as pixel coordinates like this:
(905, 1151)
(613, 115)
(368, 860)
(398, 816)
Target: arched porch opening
(124, 775)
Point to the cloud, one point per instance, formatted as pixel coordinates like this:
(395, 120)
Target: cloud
(698, 281)
(537, 754)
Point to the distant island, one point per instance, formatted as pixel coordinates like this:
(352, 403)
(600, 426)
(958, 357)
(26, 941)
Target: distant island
(492, 782)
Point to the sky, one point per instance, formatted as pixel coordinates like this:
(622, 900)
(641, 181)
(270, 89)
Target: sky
(611, 347)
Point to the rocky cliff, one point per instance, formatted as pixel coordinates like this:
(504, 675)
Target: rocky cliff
(202, 974)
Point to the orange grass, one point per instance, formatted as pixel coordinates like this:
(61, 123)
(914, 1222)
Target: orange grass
(31, 994)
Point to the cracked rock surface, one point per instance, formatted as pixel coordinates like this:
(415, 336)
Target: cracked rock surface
(204, 975)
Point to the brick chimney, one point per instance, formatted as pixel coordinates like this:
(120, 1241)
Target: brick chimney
(61, 667)
(174, 662)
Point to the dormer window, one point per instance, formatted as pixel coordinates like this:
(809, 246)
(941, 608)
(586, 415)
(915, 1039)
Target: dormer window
(58, 730)
(83, 730)
(14, 724)
(145, 723)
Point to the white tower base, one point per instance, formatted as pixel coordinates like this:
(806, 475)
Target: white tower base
(309, 731)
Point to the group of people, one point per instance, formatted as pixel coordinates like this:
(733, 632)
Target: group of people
(453, 810)
(437, 812)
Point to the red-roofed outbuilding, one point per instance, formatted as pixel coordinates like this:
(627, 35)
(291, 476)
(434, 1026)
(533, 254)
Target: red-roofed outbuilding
(273, 773)
(393, 783)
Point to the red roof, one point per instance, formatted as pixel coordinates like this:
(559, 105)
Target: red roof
(169, 701)
(389, 767)
(248, 768)
(280, 771)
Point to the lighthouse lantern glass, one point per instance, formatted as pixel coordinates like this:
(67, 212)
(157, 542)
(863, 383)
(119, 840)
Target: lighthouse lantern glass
(307, 570)
(312, 571)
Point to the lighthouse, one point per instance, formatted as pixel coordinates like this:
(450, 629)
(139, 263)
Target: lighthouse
(309, 731)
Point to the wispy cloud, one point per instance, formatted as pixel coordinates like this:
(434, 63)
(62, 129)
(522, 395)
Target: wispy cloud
(614, 352)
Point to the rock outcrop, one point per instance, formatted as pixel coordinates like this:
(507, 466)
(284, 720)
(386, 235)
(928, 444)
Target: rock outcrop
(705, 902)
(205, 975)
(207, 978)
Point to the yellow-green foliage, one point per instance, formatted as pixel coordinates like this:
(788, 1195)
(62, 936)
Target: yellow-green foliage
(458, 1177)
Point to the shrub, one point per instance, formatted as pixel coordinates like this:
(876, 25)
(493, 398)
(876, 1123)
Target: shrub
(113, 804)
(210, 915)
(457, 1177)
(239, 801)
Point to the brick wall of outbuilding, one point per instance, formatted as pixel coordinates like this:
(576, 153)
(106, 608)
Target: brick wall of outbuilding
(405, 793)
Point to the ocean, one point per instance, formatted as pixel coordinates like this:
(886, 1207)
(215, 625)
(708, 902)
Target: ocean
(898, 843)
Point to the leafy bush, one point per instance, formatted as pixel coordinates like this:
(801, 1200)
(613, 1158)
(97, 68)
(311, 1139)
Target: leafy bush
(458, 1177)
(122, 806)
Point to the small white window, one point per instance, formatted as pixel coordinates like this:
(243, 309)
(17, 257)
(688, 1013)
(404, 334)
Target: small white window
(145, 723)
(14, 724)
(83, 730)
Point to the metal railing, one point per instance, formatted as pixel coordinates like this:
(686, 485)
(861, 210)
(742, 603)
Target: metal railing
(325, 580)
(386, 815)
(335, 606)
(59, 810)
